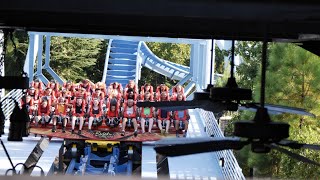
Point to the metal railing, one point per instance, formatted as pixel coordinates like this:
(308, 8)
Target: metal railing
(8, 103)
(231, 169)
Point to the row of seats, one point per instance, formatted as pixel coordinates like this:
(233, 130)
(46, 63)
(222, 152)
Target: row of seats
(98, 103)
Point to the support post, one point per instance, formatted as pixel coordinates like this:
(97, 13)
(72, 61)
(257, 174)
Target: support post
(61, 159)
(194, 62)
(162, 167)
(2, 53)
(39, 56)
(210, 60)
(47, 51)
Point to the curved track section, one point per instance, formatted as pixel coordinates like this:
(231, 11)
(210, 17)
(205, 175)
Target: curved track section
(161, 66)
(125, 58)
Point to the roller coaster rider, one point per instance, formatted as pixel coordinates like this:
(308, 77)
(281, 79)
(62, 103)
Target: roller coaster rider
(78, 111)
(30, 106)
(181, 118)
(60, 114)
(147, 114)
(164, 116)
(44, 110)
(115, 91)
(95, 114)
(129, 114)
(112, 115)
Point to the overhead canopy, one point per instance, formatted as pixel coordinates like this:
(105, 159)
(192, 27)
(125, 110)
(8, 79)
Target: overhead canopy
(220, 19)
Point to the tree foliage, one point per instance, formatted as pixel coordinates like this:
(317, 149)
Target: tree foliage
(292, 80)
(219, 60)
(71, 58)
(177, 53)
(248, 70)
(16, 51)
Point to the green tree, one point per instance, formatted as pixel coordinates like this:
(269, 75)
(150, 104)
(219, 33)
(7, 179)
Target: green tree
(17, 47)
(95, 71)
(71, 57)
(219, 60)
(248, 70)
(292, 80)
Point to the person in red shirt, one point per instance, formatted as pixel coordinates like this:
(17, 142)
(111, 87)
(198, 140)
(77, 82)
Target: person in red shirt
(163, 116)
(98, 94)
(129, 114)
(49, 94)
(34, 93)
(44, 112)
(78, 113)
(95, 114)
(181, 118)
(38, 86)
(60, 114)
(115, 91)
(178, 89)
(112, 113)
(29, 104)
(162, 88)
(54, 86)
(87, 85)
(102, 87)
(147, 114)
(131, 85)
(146, 88)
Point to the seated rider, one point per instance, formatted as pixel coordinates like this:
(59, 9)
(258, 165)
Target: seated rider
(115, 91)
(43, 112)
(129, 112)
(164, 116)
(131, 85)
(77, 114)
(95, 114)
(98, 94)
(29, 104)
(146, 88)
(130, 95)
(162, 88)
(60, 114)
(178, 89)
(112, 113)
(147, 114)
(181, 117)
(54, 86)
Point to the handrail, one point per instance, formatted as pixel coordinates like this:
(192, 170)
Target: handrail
(104, 75)
(185, 68)
(8, 104)
(231, 169)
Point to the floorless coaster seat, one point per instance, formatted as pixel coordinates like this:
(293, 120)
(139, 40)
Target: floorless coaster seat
(101, 134)
(103, 127)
